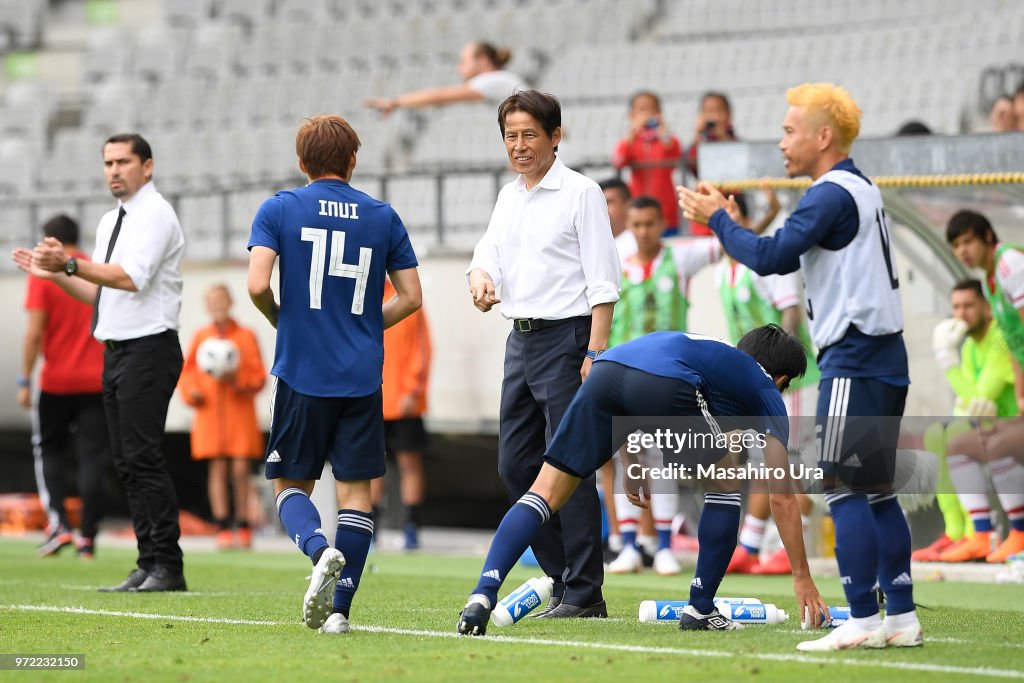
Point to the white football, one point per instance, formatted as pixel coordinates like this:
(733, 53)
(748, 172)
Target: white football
(217, 357)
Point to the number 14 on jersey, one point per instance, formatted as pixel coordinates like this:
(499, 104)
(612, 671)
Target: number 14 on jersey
(336, 266)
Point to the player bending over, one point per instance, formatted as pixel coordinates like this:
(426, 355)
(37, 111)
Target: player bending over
(675, 374)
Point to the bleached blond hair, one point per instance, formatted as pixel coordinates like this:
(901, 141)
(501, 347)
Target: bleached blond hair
(835, 107)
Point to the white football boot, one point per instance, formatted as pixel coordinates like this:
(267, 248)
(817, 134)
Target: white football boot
(665, 563)
(903, 630)
(318, 602)
(336, 623)
(629, 561)
(846, 637)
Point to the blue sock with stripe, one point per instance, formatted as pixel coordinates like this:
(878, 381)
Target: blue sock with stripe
(302, 522)
(856, 551)
(355, 532)
(515, 533)
(894, 554)
(716, 533)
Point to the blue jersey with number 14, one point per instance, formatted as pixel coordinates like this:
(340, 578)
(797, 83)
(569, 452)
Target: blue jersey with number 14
(335, 245)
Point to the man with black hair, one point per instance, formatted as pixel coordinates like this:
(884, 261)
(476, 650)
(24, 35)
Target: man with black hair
(134, 285)
(549, 249)
(674, 374)
(69, 408)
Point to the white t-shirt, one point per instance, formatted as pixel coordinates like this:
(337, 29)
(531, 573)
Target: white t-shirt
(495, 86)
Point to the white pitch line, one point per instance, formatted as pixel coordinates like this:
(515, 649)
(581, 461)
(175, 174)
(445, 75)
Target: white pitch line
(512, 640)
(930, 639)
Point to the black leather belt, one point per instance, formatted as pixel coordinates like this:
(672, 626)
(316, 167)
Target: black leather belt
(115, 344)
(534, 324)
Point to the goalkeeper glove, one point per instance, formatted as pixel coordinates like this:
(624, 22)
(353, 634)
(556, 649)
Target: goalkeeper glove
(946, 340)
(981, 407)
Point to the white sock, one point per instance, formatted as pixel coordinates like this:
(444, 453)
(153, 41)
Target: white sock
(904, 620)
(752, 531)
(1008, 481)
(867, 623)
(968, 479)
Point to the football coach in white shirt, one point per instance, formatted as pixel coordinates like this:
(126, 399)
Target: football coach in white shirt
(549, 249)
(134, 283)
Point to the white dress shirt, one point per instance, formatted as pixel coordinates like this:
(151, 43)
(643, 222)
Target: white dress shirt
(550, 248)
(149, 248)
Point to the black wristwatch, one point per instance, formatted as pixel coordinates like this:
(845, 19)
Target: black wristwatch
(71, 266)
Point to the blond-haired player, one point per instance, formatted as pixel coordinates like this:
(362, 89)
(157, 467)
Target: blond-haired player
(839, 237)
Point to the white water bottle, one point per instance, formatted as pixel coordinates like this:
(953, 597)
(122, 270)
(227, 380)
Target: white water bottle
(522, 601)
(766, 614)
(669, 611)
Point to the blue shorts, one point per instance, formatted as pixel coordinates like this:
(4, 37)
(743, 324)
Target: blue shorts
(588, 436)
(858, 427)
(304, 430)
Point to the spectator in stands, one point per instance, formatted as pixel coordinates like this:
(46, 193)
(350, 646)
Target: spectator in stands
(549, 248)
(651, 153)
(69, 409)
(714, 124)
(617, 196)
(406, 374)
(1002, 117)
(482, 68)
(1018, 107)
(225, 431)
(971, 351)
(136, 295)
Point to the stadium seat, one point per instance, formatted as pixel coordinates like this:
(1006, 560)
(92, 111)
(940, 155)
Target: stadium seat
(21, 21)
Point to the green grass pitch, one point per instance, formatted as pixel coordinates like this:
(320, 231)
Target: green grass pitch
(242, 623)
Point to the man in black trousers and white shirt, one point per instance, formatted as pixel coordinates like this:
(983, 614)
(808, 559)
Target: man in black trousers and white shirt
(134, 283)
(549, 248)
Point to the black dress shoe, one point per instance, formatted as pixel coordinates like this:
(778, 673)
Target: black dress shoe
(552, 604)
(567, 611)
(133, 581)
(162, 580)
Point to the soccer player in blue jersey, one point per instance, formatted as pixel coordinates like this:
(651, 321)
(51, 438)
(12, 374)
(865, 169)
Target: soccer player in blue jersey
(839, 236)
(667, 374)
(335, 245)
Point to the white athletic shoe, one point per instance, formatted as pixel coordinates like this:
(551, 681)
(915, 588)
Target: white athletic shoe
(629, 561)
(908, 636)
(665, 563)
(846, 637)
(319, 599)
(336, 623)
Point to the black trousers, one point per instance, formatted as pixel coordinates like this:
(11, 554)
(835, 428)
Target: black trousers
(542, 374)
(139, 377)
(72, 424)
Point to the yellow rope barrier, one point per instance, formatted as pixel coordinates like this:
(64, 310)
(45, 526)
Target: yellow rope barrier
(1008, 178)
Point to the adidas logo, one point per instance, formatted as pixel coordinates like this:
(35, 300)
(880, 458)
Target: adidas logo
(852, 461)
(845, 580)
(274, 457)
(492, 574)
(347, 583)
(696, 583)
(903, 580)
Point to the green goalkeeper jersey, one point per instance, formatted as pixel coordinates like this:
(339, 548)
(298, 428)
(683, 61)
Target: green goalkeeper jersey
(752, 301)
(985, 371)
